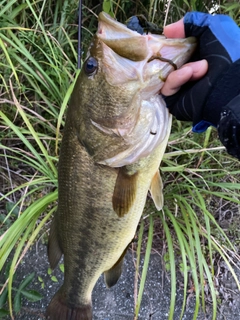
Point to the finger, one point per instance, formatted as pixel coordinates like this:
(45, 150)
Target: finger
(190, 71)
(199, 68)
(175, 80)
(175, 30)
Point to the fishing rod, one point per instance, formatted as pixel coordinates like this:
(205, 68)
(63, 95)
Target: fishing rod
(79, 51)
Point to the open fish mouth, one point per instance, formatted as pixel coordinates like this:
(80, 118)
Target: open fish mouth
(125, 42)
(136, 47)
(148, 59)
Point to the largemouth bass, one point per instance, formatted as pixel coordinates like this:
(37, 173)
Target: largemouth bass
(116, 132)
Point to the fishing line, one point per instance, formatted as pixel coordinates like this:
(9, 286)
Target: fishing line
(79, 34)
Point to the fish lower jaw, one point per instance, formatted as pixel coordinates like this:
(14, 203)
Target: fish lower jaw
(146, 136)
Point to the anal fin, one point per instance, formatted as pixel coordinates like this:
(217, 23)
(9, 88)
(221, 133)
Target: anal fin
(124, 191)
(54, 250)
(112, 275)
(156, 190)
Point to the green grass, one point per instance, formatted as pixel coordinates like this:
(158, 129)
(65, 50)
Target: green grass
(38, 68)
(38, 60)
(197, 181)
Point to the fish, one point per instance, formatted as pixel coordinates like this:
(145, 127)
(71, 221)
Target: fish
(116, 131)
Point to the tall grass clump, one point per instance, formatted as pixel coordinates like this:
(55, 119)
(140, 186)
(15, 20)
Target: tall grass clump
(38, 59)
(201, 184)
(38, 68)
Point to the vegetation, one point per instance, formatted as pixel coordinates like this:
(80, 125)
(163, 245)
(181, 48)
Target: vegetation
(38, 59)
(21, 291)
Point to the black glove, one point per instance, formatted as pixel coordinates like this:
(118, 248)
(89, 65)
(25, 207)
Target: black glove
(214, 99)
(229, 127)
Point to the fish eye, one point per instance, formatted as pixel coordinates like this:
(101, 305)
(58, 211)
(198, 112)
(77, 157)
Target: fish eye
(90, 66)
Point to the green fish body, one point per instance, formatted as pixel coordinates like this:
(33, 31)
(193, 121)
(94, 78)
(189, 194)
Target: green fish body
(116, 132)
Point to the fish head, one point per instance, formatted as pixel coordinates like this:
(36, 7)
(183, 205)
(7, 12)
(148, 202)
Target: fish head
(110, 76)
(119, 89)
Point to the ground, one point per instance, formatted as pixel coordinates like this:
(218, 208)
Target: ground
(117, 303)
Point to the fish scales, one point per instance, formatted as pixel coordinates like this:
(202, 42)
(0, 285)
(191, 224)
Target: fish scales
(116, 132)
(82, 264)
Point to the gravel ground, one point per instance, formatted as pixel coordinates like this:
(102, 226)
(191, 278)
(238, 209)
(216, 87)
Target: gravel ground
(117, 303)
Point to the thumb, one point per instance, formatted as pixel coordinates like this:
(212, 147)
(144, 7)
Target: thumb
(175, 30)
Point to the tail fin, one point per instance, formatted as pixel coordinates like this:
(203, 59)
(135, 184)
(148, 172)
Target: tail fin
(59, 310)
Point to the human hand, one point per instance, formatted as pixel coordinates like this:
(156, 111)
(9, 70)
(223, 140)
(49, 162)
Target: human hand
(215, 98)
(189, 72)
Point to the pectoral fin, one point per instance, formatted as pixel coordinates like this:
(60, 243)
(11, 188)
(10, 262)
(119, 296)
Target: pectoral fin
(54, 250)
(156, 190)
(124, 191)
(112, 275)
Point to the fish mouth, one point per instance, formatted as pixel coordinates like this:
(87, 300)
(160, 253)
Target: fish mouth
(145, 61)
(123, 41)
(130, 44)
(112, 27)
